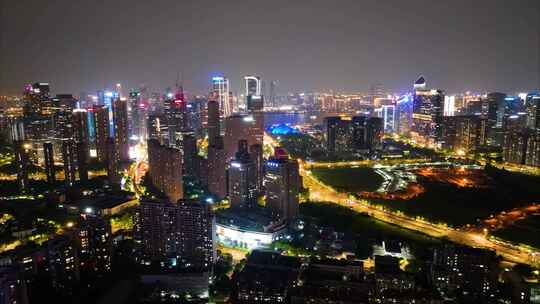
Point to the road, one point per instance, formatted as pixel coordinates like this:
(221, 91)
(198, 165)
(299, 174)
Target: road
(510, 252)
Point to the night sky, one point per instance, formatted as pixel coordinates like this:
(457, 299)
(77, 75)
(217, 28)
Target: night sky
(77, 46)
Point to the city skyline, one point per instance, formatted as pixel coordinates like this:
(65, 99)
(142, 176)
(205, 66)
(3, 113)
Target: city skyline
(461, 47)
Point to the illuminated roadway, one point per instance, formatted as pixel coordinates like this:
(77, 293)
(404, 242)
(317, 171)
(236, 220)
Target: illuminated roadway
(318, 191)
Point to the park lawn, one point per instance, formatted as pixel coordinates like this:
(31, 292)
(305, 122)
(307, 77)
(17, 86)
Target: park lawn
(349, 179)
(525, 231)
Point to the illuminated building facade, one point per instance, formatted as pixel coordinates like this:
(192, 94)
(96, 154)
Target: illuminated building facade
(101, 126)
(242, 178)
(282, 183)
(95, 237)
(68, 158)
(428, 110)
(221, 91)
(181, 234)
(121, 136)
(166, 169)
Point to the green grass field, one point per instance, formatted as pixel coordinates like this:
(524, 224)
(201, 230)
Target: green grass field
(349, 179)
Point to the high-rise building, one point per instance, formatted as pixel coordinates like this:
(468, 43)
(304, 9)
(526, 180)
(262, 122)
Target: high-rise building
(22, 161)
(101, 127)
(242, 178)
(221, 91)
(121, 136)
(113, 162)
(213, 123)
(464, 133)
(63, 258)
(181, 234)
(239, 127)
(166, 169)
(95, 237)
(256, 154)
(255, 106)
(68, 158)
(282, 183)
(80, 130)
(428, 110)
(13, 289)
(48, 156)
(358, 134)
(189, 154)
(82, 161)
(217, 179)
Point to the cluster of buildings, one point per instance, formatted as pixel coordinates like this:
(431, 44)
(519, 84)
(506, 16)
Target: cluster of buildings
(56, 130)
(451, 273)
(60, 264)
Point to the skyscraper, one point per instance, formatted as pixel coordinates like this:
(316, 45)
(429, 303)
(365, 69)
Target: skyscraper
(282, 183)
(68, 158)
(213, 125)
(166, 169)
(80, 129)
(242, 178)
(239, 127)
(217, 180)
(428, 108)
(255, 106)
(48, 154)
(221, 91)
(113, 162)
(121, 136)
(63, 258)
(101, 120)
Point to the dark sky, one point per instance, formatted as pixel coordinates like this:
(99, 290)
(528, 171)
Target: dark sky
(306, 45)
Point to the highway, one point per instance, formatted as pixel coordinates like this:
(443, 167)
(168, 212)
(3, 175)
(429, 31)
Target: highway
(319, 191)
(510, 252)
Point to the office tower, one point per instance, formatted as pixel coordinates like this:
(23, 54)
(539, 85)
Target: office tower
(336, 134)
(189, 154)
(255, 106)
(464, 133)
(82, 161)
(35, 96)
(113, 162)
(48, 154)
(388, 115)
(213, 124)
(68, 158)
(239, 127)
(428, 108)
(532, 157)
(404, 110)
(515, 140)
(221, 92)
(101, 127)
(63, 258)
(37, 121)
(176, 117)
(374, 133)
(134, 114)
(166, 169)
(80, 130)
(256, 154)
(13, 289)
(61, 111)
(22, 161)
(121, 136)
(182, 234)
(95, 237)
(449, 105)
(217, 180)
(242, 178)
(282, 183)
(156, 127)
